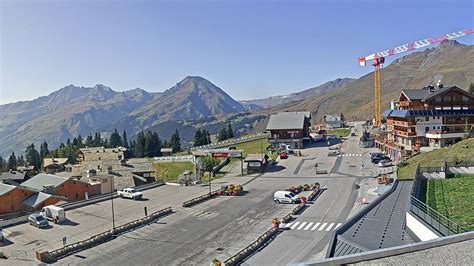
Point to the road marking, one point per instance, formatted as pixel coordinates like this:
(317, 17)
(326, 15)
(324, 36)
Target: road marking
(308, 226)
(322, 226)
(294, 225)
(337, 226)
(302, 225)
(329, 227)
(288, 225)
(315, 226)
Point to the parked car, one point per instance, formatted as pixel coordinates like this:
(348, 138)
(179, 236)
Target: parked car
(285, 197)
(384, 163)
(53, 213)
(331, 137)
(38, 220)
(376, 157)
(283, 155)
(353, 134)
(130, 193)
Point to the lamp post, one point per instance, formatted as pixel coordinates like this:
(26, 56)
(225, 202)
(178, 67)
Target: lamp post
(112, 200)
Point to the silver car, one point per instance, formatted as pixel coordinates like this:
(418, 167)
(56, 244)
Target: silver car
(38, 220)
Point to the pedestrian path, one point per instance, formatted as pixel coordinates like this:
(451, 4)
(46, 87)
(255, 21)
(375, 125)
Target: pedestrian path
(312, 226)
(350, 155)
(202, 214)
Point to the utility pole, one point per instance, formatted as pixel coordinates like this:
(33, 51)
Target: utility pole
(112, 200)
(210, 175)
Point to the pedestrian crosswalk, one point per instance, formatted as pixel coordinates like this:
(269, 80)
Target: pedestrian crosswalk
(202, 214)
(350, 155)
(312, 226)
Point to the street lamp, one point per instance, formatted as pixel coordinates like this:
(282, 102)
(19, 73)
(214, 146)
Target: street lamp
(112, 200)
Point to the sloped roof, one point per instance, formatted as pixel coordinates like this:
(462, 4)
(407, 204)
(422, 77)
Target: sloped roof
(4, 188)
(14, 175)
(429, 112)
(416, 94)
(288, 120)
(425, 94)
(38, 182)
(52, 161)
(36, 199)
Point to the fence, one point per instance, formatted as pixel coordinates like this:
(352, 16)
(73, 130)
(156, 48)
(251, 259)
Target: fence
(439, 222)
(183, 158)
(234, 141)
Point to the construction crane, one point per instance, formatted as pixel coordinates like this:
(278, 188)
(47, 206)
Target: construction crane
(379, 59)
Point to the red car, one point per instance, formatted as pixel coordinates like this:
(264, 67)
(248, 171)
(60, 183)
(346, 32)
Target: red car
(283, 155)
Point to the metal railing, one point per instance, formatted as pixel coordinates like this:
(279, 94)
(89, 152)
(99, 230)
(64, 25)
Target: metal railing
(233, 141)
(439, 222)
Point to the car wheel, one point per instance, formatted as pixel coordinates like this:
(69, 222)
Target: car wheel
(278, 201)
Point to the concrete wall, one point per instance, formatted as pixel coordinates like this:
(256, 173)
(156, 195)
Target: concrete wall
(418, 229)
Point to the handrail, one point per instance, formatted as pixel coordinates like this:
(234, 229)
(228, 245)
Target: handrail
(434, 218)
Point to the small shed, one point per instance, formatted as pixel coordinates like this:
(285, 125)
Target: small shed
(255, 163)
(166, 151)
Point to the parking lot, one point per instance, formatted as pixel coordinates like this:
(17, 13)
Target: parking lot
(219, 228)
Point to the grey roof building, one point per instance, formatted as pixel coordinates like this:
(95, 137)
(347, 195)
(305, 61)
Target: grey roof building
(40, 181)
(288, 120)
(4, 189)
(13, 176)
(37, 199)
(289, 128)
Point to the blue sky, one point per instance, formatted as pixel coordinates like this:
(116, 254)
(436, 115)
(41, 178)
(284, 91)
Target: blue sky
(251, 50)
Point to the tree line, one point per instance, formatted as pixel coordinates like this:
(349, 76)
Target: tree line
(147, 144)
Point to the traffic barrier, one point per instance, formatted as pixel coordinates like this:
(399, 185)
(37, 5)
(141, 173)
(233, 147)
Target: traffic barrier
(298, 209)
(315, 194)
(202, 198)
(244, 253)
(53, 256)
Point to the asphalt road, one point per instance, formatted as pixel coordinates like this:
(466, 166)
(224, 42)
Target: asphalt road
(218, 228)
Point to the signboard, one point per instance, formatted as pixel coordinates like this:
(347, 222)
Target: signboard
(225, 154)
(220, 154)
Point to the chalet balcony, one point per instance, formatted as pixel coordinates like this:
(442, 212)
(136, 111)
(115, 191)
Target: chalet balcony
(443, 135)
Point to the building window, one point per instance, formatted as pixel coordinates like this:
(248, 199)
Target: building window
(77, 195)
(438, 99)
(427, 118)
(465, 99)
(434, 127)
(427, 129)
(99, 158)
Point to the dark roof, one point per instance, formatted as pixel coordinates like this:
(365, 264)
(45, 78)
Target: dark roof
(425, 94)
(13, 175)
(429, 112)
(441, 91)
(416, 94)
(38, 182)
(381, 227)
(288, 120)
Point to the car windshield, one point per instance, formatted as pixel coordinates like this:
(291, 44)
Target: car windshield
(292, 194)
(39, 218)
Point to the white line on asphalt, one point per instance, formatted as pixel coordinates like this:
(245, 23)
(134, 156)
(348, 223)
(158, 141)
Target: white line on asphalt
(302, 225)
(337, 226)
(308, 226)
(329, 227)
(288, 225)
(322, 226)
(294, 225)
(315, 226)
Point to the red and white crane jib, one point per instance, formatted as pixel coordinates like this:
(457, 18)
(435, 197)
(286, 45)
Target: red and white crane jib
(413, 46)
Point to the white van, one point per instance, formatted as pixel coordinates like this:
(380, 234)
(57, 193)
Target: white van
(54, 213)
(285, 197)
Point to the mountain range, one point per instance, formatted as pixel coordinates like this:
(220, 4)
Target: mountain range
(451, 62)
(196, 103)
